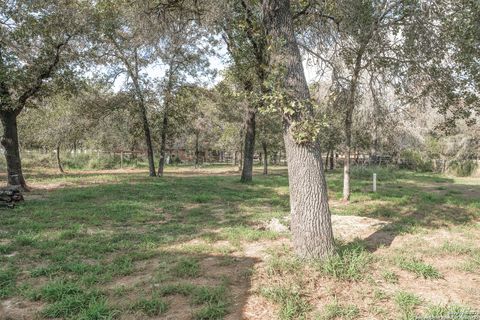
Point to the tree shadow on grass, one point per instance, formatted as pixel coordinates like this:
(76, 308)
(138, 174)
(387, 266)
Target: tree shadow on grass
(168, 285)
(194, 286)
(84, 234)
(424, 207)
(407, 201)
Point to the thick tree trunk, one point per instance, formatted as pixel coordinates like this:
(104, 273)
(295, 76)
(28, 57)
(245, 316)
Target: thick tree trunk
(12, 150)
(311, 222)
(346, 165)
(163, 145)
(332, 160)
(249, 147)
(265, 161)
(148, 140)
(59, 161)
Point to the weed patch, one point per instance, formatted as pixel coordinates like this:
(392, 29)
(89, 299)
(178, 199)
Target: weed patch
(292, 304)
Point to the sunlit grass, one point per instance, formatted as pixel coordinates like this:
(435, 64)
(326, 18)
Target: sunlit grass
(72, 245)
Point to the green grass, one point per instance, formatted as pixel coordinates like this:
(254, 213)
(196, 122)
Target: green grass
(187, 267)
(348, 263)
(451, 312)
(214, 300)
(407, 302)
(107, 245)
(420, 268)
(151, 307)
(7, 282)
(292, 304)
(283, 261)
(336, 310)
(390, 277)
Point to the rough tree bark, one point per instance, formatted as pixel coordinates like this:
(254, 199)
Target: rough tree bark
(59, 161)
(265, 160)
(311, 222)
(249, 146)
(12, 151)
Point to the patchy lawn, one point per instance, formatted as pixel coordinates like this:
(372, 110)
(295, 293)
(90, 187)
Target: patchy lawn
(192, 245)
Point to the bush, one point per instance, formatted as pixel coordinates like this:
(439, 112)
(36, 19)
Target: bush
(462, 168)
(78, 161)
(102, 162)
(414, 160)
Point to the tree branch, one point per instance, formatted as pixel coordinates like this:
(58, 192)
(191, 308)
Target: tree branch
(45, 74)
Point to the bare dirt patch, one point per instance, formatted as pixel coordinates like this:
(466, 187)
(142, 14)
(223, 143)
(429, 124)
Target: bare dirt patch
(16, 309)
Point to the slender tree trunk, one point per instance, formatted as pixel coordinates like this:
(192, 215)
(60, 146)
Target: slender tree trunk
(249, 147)
(332, 159)
(197, 150)
(260, 158)
(326, 160)
(346, 165)
(265, 160)
(163, 145)
(235, 159)
(348, 122)
(311, 222)
(148, 139)
(59, 161)
(134, 74)
(167, 95)
(12, 149)
(240, 162)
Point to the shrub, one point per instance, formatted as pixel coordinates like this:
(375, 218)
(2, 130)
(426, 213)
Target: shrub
(462, 168)
(414, 160)
(102, 162)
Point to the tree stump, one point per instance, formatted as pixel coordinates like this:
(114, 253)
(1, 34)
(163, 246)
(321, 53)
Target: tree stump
(9, 197)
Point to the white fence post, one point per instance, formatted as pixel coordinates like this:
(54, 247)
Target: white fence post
(374, 182)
